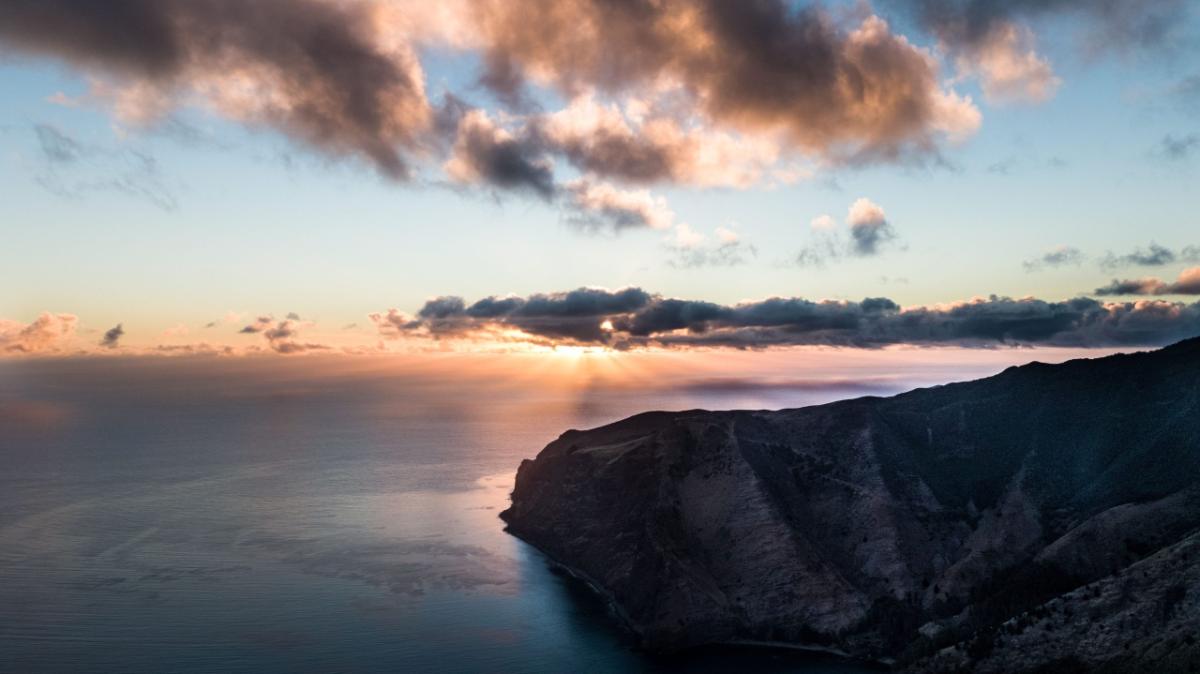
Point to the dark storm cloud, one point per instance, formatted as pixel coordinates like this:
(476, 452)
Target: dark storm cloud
(112, 337)
(1062, 256)
(318, 72)
(633, 318)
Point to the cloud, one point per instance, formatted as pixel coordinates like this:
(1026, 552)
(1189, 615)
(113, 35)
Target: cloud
(393, 323)
(691, 250)
(47, 333)
(1188, 283)
(869, 228)
(993, 39)
(1061, 256)
(1178, 149)
(575, 316)
(1008, 67)
(72, 169)
(319, 72)
(839, 91)
(260, 324)
(112, 337)
(701, 93)
(486, 153)
(640, 144)
(1152, 256)
(58, 147)
(1104, 25)
(596, 205)
(823, 223)
(282, 336)
(711, 92)
(868, 234)
(633, 318)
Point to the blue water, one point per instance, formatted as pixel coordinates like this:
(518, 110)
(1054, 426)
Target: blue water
(189, 516)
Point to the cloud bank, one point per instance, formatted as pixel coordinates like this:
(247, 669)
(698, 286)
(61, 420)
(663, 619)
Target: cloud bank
(1188, 283)
(633, 318)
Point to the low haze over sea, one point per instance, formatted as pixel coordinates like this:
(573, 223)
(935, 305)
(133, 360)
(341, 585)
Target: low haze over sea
(250, 514)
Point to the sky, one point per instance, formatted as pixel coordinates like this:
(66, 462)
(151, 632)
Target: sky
(299, 176)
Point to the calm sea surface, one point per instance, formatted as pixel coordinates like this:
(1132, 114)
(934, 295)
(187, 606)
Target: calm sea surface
(246, 516)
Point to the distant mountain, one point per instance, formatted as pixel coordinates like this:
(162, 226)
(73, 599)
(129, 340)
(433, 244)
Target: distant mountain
(1046, 519)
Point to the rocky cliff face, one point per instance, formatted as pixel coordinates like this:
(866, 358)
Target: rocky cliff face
(1045, 517)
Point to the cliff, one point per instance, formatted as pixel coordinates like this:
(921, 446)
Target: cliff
(1045, 517)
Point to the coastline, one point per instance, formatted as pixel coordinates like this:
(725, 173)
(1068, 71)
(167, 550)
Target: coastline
(627, 623)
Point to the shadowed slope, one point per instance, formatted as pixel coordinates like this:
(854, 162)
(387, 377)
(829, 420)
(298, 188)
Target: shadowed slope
(888, 528)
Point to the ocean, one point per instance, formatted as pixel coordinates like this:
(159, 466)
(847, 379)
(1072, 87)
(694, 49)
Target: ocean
(336, 514)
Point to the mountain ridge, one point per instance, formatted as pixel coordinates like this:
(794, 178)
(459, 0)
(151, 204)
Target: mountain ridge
(902, 529)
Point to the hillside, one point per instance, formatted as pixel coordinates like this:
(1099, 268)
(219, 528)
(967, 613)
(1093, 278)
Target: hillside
(997, 525)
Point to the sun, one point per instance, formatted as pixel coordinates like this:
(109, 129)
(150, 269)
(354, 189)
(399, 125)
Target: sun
(574, 352)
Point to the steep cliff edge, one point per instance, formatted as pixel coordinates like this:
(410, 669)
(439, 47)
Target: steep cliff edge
(940, 529)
